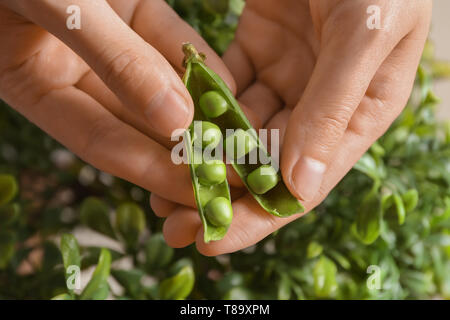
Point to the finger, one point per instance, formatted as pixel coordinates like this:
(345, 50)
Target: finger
(181, 227)
(261, 100)
(112, 146)
(137, 73)
(239, 65)
(251, 115)
(278, 122)
(97, 89)
(158, 24)
(334, 92)
(161, 207)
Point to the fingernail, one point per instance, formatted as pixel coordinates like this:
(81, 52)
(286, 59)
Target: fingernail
(307, 177)
(167, 111)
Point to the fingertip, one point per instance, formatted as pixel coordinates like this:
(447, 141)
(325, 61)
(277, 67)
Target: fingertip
(207, 249)
(160, 206)
(180, 228)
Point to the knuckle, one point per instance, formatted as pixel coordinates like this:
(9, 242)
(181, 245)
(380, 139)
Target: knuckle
(334, 121)
(123, 69)
(91, 146)
(328, 128)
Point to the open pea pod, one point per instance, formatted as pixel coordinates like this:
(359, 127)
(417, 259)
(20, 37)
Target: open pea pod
(215, 103)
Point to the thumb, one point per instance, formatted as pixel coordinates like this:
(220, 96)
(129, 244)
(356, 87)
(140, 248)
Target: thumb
(341, 77)
(136, 72)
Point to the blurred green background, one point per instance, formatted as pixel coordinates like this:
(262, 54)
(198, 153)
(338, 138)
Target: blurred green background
(383, 233)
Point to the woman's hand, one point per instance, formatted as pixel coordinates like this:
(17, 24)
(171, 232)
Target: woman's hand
(314, 70)
(110, 91)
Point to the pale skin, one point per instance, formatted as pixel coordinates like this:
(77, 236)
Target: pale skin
(309, 68)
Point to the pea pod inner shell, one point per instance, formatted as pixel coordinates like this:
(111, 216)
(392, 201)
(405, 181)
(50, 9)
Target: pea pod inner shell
(203, 194)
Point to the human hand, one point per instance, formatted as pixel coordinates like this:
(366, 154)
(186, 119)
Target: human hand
(314, 70)
(110, 91)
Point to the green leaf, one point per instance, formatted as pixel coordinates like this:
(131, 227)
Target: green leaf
(215, 6)
(284, 288)
(9, 214)
(71, 256)
(314, 250)
(298, 292)
(368, 219)
(410, 199)
(90, 256)
(340, 259)
(7, 246)
(97, 288)
(230, 280)
(70, 251)
(131, 281)
(130, 222)
(368, 166)
(428, 51)
(95, 214)
(237, 6)
(63, 296)
(179, 286)
(446, 126)
(324, 274)
(8, 188)
(441, 69)
(400, 208)
(238, 293)
(157, 253)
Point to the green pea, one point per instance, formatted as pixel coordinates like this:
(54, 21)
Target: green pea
(218, 211)
(211, 135)
(211, 173)
(262, 179)
(239, 144)
(213, 104)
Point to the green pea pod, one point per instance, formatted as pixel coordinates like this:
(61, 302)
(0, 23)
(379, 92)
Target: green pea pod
(70, 252)
(97, 288)
(201, 80)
